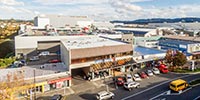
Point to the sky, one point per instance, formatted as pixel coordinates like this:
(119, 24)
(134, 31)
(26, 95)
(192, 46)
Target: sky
(103, 10)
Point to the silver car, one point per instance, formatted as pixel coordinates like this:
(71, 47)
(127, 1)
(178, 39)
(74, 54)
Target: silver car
(105, 95)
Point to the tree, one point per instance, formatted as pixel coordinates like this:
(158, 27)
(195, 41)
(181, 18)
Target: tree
(169, 56)
(175, 58)
(179, 59)
(12, 85)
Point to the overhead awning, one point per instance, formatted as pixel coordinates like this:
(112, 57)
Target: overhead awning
(148, 59)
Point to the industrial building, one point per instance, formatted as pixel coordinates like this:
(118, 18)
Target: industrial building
(58, 21)
(190, 46)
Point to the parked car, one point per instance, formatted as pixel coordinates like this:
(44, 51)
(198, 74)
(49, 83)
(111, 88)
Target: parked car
(18, 63)
(136, 77)
(44, 53)
(34, 58)
(131, 85)
(149, 73)
(119, 80)
(56, 97)
(105, 95)
(156, 71)
(163, 68)
(54, 61)
(129, 78)
(143, 75)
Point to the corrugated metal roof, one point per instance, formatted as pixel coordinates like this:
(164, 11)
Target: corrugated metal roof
(147, 51)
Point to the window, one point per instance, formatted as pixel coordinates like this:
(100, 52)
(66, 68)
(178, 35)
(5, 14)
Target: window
(173, 85)
(181, 85)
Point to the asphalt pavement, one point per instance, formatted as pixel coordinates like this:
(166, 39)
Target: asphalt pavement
(149, 88)
(152, 93)
(190, 94)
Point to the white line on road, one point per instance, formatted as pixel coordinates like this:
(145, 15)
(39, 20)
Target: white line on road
(158, 95)
(196, 98)
(154, 87)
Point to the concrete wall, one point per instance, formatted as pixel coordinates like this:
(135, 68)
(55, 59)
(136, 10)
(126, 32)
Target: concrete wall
(25, 51)
(127, 38)
(193, 47)
(41, 22)
(84, 23)
(65, 56)
(150, 44)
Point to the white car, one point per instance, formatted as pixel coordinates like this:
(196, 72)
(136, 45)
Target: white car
(129, 78)
(155, 71)
(131, 85)
(105, 95)
(44, 53)
(34, 58)
(149, 73)
(136, 77)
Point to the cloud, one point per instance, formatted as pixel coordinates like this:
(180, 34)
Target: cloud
(11, 2)
(125, 5)
(104, 10)
(61, 2)
(15, 12)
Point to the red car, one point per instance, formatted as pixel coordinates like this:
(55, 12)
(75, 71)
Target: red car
(143, 75)
(54, 61)
(119, 80)
(162, 68)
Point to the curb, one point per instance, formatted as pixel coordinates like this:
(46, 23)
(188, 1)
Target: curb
(186, 73)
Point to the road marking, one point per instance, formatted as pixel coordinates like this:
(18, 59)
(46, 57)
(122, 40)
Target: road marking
(165, 93)
(71, 90)
(196, 98)
(158, 95)
(154, 87)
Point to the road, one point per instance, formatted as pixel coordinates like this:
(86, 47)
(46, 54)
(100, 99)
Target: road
(149, 88)
(191, 94)
(154, 91)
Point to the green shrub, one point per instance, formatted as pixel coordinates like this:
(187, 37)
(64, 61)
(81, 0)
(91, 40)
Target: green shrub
(6, 62)
(194, 82)
(178, 70)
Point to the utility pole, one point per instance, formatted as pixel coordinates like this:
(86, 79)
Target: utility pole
(34, 85)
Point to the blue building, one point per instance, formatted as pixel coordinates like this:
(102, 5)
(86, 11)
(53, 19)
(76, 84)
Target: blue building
(187, 47)
(145, 56)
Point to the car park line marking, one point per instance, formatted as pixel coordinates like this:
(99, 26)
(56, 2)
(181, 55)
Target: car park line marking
(158, 95)
(154, 87)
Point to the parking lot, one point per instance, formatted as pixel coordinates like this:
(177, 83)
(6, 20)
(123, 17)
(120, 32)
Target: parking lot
(120, 91)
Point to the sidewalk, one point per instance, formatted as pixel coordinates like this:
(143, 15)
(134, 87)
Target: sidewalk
(74, 89)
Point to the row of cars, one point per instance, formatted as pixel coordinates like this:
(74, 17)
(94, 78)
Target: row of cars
(130, 81)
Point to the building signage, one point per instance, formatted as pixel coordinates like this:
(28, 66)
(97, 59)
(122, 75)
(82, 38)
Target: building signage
(182, 46)
(103, 60)
(59, 80)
